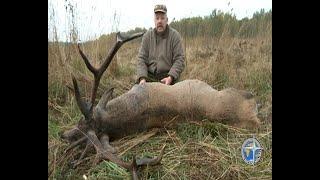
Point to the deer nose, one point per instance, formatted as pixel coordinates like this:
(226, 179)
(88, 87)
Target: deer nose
(70, 135)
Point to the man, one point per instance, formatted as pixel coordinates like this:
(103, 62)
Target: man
(161, 56)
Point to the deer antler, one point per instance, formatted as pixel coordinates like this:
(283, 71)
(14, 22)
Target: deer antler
(98, 72)
(132, 167)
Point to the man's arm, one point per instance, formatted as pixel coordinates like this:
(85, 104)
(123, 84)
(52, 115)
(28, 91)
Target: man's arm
(142, 70)
(178, 58)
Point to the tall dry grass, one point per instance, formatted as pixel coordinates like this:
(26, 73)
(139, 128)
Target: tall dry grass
(202, 150)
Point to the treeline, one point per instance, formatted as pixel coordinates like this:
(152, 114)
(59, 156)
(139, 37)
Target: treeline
(219, 24)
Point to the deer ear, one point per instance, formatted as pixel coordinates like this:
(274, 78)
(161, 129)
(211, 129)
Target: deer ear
(107, 96)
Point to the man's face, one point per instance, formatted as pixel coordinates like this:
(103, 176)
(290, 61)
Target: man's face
(160, 21)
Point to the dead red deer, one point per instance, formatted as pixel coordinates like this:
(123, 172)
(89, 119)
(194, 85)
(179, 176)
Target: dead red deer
(144, 107)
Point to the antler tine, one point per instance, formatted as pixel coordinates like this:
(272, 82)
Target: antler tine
(120, 41)
(86, 61)
(104, 153)
(83, 108)
(125, 39)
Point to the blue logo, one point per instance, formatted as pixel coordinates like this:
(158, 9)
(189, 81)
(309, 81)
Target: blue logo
(251, 151)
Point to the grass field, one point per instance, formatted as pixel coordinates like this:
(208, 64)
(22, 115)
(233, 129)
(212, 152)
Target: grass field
(202, 150)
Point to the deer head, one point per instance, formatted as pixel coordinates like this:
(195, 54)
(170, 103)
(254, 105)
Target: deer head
(88, 128)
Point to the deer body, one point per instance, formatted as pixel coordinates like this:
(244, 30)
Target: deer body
(154, 104)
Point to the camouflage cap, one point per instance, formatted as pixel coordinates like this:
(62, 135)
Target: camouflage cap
(160, 8)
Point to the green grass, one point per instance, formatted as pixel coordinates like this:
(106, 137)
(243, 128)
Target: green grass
(108, 169)
(53, 129)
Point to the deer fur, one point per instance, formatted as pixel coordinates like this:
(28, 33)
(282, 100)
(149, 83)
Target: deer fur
(154, 104)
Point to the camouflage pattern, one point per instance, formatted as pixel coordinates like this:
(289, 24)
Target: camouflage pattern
(160, 8)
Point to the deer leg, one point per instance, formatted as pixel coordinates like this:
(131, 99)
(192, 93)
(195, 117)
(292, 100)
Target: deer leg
(151, 161)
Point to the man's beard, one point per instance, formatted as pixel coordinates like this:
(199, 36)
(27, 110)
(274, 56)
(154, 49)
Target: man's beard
(160, 28)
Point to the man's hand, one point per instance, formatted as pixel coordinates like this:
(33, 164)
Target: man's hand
(142, 81)
(167, 80)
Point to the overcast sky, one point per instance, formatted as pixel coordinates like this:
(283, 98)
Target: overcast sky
(93, 18)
